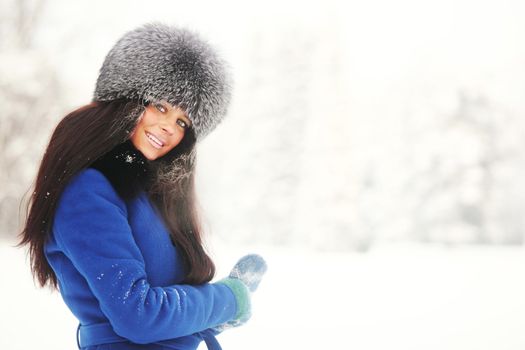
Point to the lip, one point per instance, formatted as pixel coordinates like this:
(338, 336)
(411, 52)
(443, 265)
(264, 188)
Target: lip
(153, 143)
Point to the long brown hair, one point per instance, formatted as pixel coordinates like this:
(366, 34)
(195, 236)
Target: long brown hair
(79, 139)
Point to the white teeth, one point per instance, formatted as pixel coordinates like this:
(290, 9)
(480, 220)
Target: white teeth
(154, 139)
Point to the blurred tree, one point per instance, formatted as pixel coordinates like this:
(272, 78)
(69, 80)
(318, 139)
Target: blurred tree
(458, 194)
(29, 90)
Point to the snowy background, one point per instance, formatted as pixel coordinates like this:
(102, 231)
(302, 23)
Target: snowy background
(374, 153)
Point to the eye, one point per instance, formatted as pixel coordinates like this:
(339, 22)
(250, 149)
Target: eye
(160, 108)
(182, 123)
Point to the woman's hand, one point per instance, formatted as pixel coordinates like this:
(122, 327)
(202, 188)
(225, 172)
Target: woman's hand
(243, 280)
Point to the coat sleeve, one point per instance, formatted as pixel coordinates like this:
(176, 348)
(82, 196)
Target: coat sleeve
(91, 228)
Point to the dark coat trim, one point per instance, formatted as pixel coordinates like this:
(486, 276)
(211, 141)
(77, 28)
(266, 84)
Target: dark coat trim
(126, 168)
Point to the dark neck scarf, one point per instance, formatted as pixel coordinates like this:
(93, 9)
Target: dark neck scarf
(126, 168)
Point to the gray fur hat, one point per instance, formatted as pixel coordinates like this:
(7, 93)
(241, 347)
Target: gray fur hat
(160, 62)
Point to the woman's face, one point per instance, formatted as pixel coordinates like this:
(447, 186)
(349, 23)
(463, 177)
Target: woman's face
(160, 129)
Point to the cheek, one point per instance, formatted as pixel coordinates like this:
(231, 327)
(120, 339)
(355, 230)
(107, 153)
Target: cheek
(136, 135)
(134, 138)
(141, 118)
(175, 141)
(141, 121)
(179, 138)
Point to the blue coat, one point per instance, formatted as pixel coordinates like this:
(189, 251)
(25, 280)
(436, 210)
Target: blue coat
(119, 273)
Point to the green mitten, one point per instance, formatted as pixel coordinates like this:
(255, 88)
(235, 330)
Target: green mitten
(243, 298)
(243, 279)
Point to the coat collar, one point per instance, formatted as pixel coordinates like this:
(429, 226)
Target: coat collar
(126, 168)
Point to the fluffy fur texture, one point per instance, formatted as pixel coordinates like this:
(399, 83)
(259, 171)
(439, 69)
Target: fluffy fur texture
(160, 62)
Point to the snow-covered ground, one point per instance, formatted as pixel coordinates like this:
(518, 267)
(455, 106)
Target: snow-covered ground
(394, 297)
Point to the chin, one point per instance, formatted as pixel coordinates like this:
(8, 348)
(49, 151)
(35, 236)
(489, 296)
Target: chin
(146, 153)
(151, 156)
(154, 155)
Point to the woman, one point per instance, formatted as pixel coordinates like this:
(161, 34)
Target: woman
(112, 222)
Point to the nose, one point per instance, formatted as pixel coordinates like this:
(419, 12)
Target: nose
(167, 126)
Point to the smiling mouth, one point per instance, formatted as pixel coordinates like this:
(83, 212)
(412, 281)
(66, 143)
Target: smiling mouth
(154, 140)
